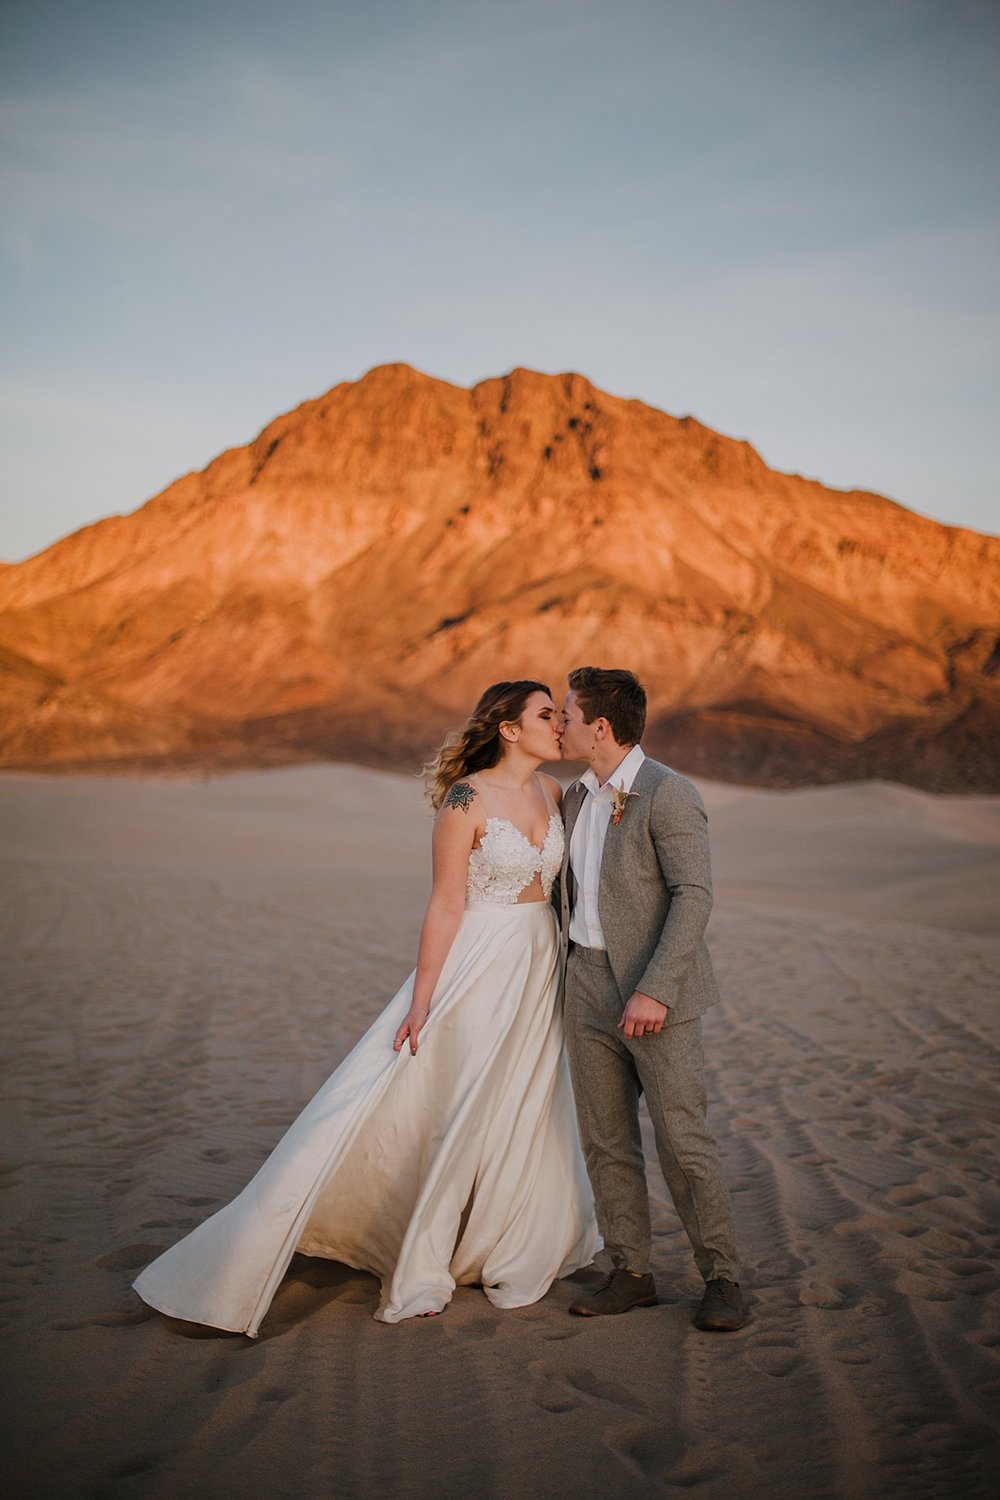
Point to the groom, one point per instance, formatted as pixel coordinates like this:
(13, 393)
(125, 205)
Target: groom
(636, 892)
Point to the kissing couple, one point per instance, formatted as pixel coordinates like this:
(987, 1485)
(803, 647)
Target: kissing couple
(562, 958)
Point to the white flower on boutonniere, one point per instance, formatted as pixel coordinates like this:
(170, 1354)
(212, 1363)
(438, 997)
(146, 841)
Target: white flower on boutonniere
(619, 802)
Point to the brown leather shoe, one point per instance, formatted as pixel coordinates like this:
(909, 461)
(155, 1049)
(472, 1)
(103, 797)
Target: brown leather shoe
(721, 1309)
(619, 1291)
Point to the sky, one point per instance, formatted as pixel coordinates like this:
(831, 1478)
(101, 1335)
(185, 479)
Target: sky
(780, 216)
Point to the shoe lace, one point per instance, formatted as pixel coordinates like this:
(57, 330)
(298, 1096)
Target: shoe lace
(726, 1289)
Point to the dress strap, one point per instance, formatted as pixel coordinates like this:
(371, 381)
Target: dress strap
(550, 801)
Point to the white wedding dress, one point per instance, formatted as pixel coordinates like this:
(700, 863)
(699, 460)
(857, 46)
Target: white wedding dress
(460, 1165)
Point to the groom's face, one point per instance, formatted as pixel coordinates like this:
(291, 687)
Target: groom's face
(576, 738)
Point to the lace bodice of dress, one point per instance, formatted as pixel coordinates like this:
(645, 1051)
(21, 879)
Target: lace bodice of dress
(507, 861)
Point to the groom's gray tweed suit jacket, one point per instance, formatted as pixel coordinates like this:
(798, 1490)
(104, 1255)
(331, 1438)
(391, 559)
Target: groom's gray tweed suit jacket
(655, 893)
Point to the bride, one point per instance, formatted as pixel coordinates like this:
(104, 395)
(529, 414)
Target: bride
(444, 1150)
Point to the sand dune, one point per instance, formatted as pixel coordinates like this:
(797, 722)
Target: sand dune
(183, 962)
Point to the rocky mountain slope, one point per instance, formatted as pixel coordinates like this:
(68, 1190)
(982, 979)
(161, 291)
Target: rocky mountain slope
(346, 584)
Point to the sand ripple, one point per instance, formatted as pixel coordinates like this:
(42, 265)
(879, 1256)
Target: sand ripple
(183, 963)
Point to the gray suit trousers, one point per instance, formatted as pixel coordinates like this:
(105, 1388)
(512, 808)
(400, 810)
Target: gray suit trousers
(609, 1073)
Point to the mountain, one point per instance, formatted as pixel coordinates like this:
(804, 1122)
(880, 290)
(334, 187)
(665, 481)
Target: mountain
(346, 584)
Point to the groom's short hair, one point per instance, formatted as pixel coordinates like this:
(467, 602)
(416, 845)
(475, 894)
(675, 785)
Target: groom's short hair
(613, 694)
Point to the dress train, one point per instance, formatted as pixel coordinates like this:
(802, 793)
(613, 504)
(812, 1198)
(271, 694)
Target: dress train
(460, 1165)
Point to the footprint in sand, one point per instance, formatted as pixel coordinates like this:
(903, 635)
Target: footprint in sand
(852, 1356)
(553, 1329)
(655, 1455)
(912, 1284)
(275, 1395)
(778, 1267)
(129, 1257)
(481, 1327)
(558, 1388)
(974, 1278)
(942, 1243)
(907, 1197)
(133, 1467)
(774, 1354)
(831, 1295)
(639, 1446)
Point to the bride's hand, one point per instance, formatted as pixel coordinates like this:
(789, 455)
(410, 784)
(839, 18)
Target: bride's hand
(411, 1027)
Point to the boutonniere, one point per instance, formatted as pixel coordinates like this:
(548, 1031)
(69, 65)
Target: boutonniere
(619, 802)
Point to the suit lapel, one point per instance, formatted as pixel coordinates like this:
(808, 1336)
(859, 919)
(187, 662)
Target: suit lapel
(572, 802)
(618, 841)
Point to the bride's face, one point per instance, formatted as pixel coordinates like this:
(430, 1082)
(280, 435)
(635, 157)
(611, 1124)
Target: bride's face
(537, 728)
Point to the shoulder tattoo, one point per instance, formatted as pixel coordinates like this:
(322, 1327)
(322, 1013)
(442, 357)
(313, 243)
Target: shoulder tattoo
(460, 795)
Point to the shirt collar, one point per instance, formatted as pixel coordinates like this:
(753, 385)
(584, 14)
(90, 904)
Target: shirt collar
(623, 777)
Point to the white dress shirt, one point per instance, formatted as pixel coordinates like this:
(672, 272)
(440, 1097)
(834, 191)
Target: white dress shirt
(586, 848)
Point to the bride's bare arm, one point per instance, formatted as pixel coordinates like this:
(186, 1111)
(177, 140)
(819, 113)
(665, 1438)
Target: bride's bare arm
(455, 833)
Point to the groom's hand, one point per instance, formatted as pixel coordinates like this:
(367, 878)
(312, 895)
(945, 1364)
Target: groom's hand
(643, 1016)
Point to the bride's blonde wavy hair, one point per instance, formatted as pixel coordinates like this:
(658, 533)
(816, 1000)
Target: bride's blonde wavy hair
(478, 744)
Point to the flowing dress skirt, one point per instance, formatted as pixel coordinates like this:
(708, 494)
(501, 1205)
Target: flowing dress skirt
(458, 1166)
